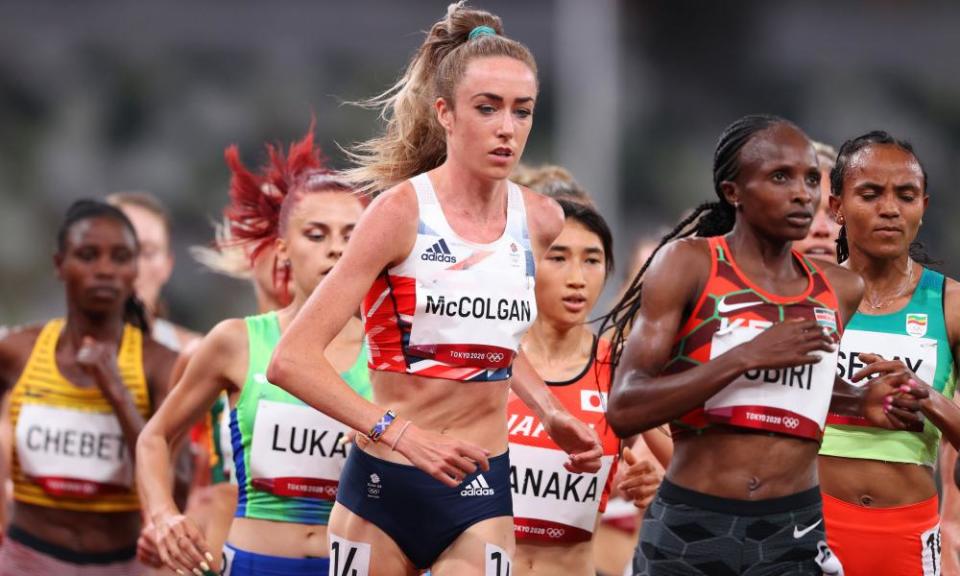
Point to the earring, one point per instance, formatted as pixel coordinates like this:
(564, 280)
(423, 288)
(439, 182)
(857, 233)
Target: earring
(840, 219)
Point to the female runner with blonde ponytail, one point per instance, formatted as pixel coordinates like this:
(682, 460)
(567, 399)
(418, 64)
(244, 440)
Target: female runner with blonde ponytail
(442, 263)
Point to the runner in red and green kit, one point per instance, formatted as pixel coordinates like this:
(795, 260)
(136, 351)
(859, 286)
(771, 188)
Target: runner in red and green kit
(733, 340)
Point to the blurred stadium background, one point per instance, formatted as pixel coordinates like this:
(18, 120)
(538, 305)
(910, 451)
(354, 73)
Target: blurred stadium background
(111, 95)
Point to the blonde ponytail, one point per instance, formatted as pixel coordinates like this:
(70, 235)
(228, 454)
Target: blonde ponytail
(413, 141)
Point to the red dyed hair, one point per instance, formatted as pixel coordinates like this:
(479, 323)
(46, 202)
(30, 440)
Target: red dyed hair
(261, 203)
(256, 199)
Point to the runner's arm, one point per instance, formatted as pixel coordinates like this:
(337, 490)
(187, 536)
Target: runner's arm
(386, 234)
(641, 397)
(207, 373)
(219, 363)
(573, 436)
(99, 360)
(847, 400)
(298, 365)
(942, 410)
(15, 346)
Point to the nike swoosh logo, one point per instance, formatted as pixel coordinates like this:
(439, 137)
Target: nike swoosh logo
(724, 308)
(798, 533)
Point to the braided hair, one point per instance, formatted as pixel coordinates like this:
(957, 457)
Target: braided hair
(707, 219)
(849, 149)
(134, 312)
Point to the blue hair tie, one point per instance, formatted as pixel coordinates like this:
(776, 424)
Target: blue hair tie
(481, 31)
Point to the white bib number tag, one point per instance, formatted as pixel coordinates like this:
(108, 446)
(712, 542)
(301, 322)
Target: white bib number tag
(792, 400)
(227, 559)
(930, 540)
(348, 558)
(73, 452)
(498, 562)
(296, 451)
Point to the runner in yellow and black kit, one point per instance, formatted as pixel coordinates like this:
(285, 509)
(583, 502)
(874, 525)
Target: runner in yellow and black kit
(82, 388)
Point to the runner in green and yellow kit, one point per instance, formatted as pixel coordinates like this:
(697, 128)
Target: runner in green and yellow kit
(287, 457)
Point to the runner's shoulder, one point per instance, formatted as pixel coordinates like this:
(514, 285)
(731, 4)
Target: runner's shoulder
(848, 285)
(951, 308)
(227, 337)
(686, 257)
(399, 202)
(18, 340)
(158, 356)
(16, 343)
(544, 215)
(951, 288)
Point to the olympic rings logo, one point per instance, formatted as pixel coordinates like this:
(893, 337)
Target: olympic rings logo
(494, 356)
(791, 423)
(555, 532)
(331, 491)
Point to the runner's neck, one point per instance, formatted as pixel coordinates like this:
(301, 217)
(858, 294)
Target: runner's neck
(552, 348)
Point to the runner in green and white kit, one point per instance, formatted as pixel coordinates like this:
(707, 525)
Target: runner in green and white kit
(286, 455)
(917, 335)
(879, 495)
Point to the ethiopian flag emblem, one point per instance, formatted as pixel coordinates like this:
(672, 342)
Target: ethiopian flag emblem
(916, 324)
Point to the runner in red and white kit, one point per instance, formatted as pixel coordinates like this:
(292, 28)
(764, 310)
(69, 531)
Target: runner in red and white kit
(450, 248)
(556, 511)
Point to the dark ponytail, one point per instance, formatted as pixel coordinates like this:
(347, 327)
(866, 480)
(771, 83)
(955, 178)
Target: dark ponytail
(706, 220)
(134, 312)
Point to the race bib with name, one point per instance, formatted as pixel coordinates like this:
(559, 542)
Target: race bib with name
(73, 453)
(792, 401)
(296, 451)
(550, 503)
(467, 322)
(918, 354)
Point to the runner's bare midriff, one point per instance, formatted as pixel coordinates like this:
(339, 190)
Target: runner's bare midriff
(88, 532)
(743, 465)
(876, 483)
(549, 558)
(282, 539)
(474, 412)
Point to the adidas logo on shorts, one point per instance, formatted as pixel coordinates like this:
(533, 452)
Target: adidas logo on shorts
(439, 252)
(478, 487)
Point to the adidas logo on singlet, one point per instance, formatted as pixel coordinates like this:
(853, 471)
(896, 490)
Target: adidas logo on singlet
(439, 252)
(478, 487)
